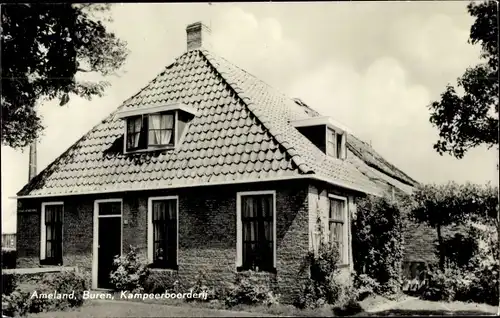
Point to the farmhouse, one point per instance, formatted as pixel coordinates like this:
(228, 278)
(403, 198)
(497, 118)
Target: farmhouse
(207, 168)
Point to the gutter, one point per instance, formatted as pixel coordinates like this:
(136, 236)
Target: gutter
(300, 177)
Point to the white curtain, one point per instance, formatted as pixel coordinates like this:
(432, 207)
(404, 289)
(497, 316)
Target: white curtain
(161, 128)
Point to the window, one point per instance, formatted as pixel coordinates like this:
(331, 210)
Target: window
(150, 131)
(334, 144)
(339, 146)
(256, 237)
(163, 232)
(51, 234)
(330, 143)
(336, 225)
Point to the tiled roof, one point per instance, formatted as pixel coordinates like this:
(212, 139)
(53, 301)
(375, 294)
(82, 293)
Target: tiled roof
(371, 158)
(241, 133)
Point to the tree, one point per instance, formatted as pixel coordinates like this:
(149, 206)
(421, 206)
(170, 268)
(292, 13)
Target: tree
(439, 206)
(470, 119)
(44, 47)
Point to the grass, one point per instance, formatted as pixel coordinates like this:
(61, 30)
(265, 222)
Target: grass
(135, 309)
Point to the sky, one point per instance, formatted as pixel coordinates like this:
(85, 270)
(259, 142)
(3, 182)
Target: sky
(374, 66)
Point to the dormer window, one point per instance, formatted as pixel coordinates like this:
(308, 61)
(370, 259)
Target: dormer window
(334, 143)
(159, 127)
(151, 130)
(328, 135)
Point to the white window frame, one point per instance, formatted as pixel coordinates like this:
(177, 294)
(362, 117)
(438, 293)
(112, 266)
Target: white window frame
(150, 226)
(43, 229)
(345, 229)
(148, 147)
(239, 226)
(342, 154)
(95, 247)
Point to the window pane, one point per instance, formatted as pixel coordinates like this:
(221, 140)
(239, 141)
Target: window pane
(337, 209)
(48, 249)
(49, 232)
(167, 121)
(159, 253)
(268, 230)
(248, 207)
(172, 209)
(339, 146)
(161, 129)
(110, 208)
(248, 231)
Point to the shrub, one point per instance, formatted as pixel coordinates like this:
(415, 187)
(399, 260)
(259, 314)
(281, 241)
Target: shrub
(129, 272)
(9, 283)
(448, 285)
(9, 258)
(68, 282)
(484, 286)
(322, 287)
(377, 238)
(18, 303)
(249, 290)
(347, 304)
(365, 285)
(200, 285)
(161, 281)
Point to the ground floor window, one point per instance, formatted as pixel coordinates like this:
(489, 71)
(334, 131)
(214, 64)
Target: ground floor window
(337, 225)
(256, 231)
(163, 232)
(51, 234)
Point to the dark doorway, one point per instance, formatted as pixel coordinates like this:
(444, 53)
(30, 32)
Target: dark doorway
(109, 240)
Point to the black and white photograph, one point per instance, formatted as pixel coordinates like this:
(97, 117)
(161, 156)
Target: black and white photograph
(237, 159)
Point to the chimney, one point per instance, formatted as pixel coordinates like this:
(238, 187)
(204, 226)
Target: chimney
(198, 36)
(32, 161)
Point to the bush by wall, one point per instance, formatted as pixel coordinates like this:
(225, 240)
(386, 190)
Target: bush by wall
(378, 239)
(248, 289)
(201, 285)
(129, 272)
(161, 281)
(19, 303)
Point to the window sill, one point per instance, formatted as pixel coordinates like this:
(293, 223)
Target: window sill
(241, 269)
(150, 149)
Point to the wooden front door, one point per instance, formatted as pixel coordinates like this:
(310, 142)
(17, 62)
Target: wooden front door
(109, 240)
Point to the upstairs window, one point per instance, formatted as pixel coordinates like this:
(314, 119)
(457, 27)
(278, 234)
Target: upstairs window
(334, 144)
(155, 126)
(325, 133)
(151, 131)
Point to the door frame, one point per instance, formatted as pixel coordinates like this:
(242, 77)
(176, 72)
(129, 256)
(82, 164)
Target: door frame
(95, 250)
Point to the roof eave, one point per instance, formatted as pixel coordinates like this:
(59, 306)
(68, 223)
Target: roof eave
(297, 177)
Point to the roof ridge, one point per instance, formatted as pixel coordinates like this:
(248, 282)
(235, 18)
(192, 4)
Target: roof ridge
(294, 155)
(254, 76)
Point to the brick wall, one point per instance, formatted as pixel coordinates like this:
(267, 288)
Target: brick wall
(207, 231)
